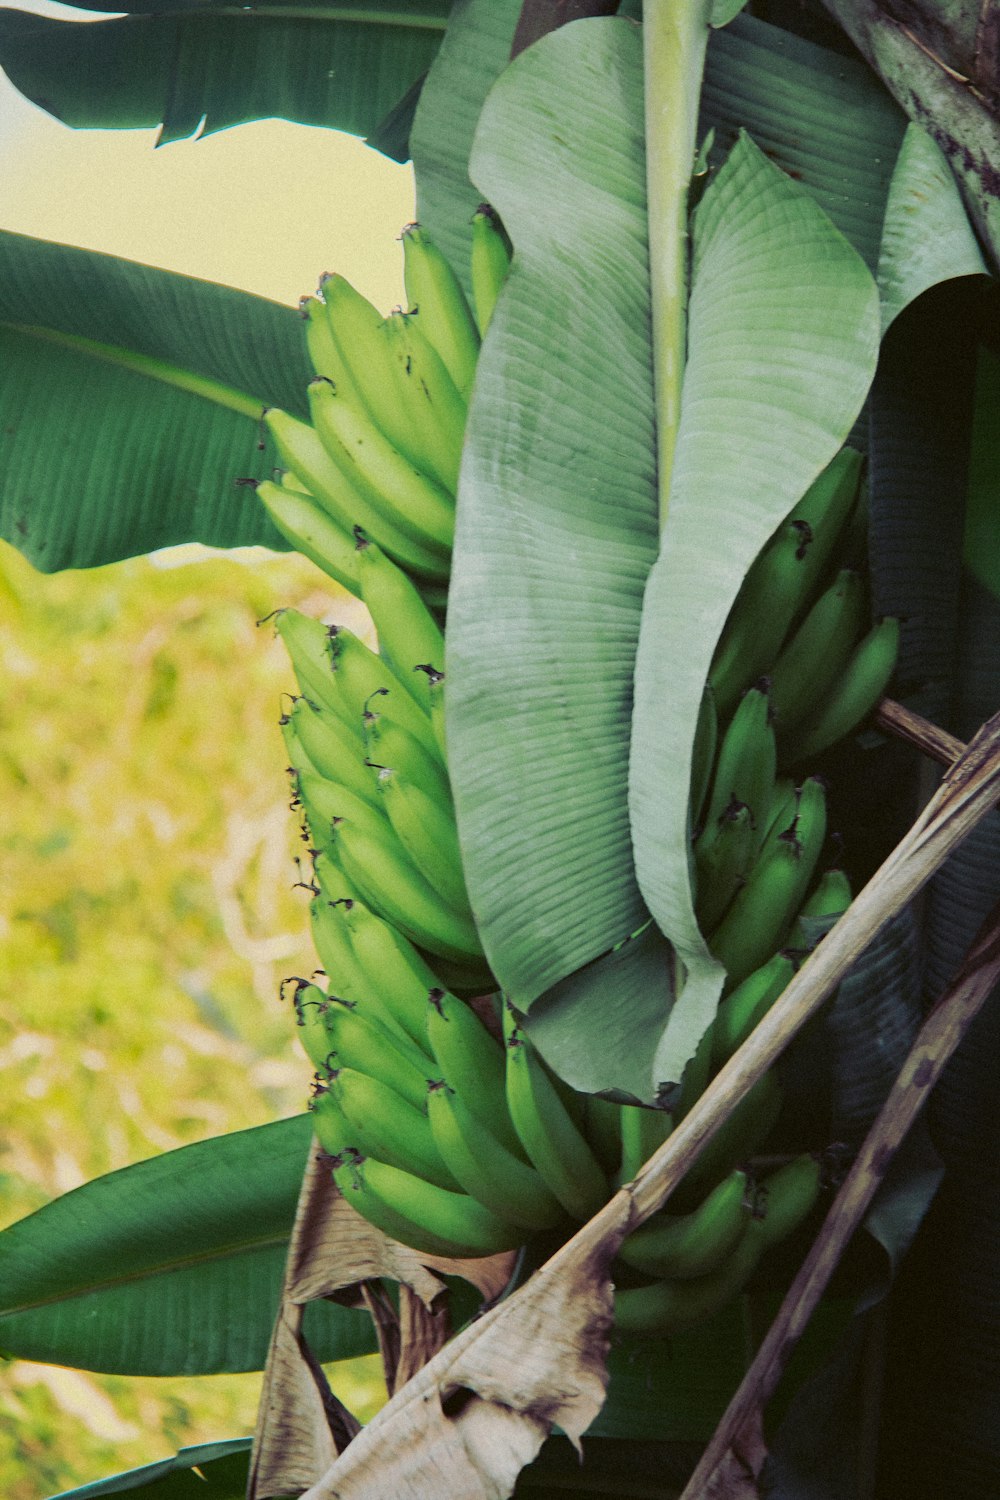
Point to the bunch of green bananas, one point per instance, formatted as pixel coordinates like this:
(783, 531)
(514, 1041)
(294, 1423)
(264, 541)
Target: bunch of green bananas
(388, 407)
(801, 619)
(444, 1126)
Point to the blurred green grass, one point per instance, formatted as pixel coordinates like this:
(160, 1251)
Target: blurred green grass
(147, 917)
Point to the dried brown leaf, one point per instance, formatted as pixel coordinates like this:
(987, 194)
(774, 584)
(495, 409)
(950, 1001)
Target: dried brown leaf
(301, 1426)
(334, 1252)
(471, 1419)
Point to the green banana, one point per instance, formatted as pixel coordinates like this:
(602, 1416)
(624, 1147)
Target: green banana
(747, 761)
(332, 938)
(327, 804)
(307, 642)
(376, 470)
(384, 1125)
(780, 807)
(312, 531)
(301, 448)
(602, 1122)
(694, 1079)
(555, 1147)
(665, 1307)
(490, 263)
(333, 813)
(311, 1007)
(324, 350)
(420, 1214)
(706, 737)
(696, 1243)
(332, 1130)
(498, 1179)
(766, 905)
(362, 375)
(724, 852)
(852, 697)
(331, 750)
(786, 1198)
(358, 675)
(393, 887)
(434, 291)
(426, 829)
(744, 1006)
(389, 743)
(830, 899)
(782, 579)
(736, 1140)
(472, 1062)
(298, 760)
(421, 424)
(643, 1131)
(435, 693)
(815, 655)
(426, 392)
(408, 634)
(392, 970)
(357, 1038)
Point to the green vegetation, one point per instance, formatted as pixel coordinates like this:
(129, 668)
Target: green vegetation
(147, 920)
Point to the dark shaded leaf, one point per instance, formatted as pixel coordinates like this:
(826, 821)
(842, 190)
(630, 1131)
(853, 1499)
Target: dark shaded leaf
(196, 68)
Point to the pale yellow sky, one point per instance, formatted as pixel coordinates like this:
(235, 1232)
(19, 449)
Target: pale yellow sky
(267, 206)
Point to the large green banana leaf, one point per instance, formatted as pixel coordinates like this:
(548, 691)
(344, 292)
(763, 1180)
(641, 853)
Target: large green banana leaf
(130, 400)
(191, 67)
(528, 839)
(172, 1266)
(557, 516)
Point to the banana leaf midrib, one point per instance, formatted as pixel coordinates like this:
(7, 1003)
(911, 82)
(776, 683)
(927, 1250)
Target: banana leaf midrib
(244, 1247)
(229, 397)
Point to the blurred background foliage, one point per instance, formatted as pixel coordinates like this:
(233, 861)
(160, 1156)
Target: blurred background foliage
(147, 917)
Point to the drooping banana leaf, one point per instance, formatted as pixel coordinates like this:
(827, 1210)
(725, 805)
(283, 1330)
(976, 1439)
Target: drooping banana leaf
(130, 400)
(172, 1266)
(193, 67)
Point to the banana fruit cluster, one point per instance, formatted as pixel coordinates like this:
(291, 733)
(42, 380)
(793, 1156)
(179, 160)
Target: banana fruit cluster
(796, 669)
(443, 1124)
(803, 622)
(388, 407)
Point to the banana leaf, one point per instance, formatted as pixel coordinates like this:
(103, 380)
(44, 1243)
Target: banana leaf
(825, 120)
(210, 1471)
(193, 68)
(131, 401)
(172, 1266)
(474, 53)
(557, 521)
